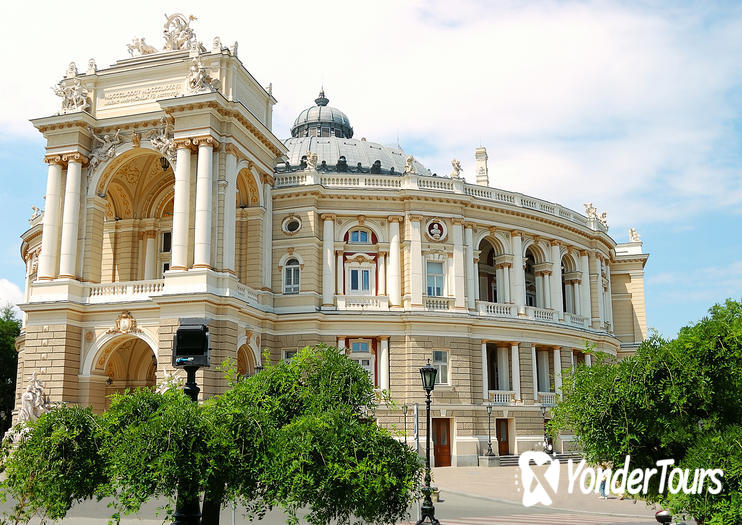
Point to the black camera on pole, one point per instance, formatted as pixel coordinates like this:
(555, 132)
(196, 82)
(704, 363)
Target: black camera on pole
(191, 345)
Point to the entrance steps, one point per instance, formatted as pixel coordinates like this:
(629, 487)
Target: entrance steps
(512, 461)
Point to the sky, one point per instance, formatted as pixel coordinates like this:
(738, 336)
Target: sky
(633, 106)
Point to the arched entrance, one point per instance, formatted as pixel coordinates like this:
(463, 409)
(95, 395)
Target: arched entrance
(125, 362)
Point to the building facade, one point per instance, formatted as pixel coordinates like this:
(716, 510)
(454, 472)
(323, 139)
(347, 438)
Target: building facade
(169, 197)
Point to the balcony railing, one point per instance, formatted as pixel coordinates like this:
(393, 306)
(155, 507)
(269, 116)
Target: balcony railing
(438, 303)
(576, 320)
(501, 397)
(363, 302)
(496, 309)
(541, 314)
(123, 292)
(547, 398)
(336, 179)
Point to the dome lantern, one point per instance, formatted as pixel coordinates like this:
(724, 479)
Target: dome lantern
(322, 120)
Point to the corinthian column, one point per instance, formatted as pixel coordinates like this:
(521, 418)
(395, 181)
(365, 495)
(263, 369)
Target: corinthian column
(181, 205)
(50, 237)
(393, 277)
(230, 208)
(416, 261)
(202, 244)
(328, 259)
(556, 279)
(71, 216)
(471, 275)
(517, 275)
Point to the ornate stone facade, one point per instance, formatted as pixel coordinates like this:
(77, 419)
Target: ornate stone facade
(188, 207)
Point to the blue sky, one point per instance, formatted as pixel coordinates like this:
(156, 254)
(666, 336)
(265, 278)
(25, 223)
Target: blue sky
(634, 106)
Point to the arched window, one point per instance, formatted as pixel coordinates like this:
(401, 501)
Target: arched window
(359, 236)
(291, 277)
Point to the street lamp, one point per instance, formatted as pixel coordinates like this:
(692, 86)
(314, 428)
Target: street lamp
(427, 373)
(489, 430)
(404, 411)
(548, 448)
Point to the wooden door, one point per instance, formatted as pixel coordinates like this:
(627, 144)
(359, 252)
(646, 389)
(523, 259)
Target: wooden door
(441, 442)
(503, 444)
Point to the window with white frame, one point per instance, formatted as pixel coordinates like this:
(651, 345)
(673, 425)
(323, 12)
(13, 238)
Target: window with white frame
(291, 272)
(436, 279)
(359, 236)
(360, 275)
(289, 354)
(440, 363)
(360, 352)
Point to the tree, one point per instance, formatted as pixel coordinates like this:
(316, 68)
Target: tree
(674, 399)
(10, 327)
(297, 435)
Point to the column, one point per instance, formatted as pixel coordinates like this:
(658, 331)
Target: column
(150, 256)
(534, 367)
(556, 279)
(517, 276)
(202, 243)
(328, 259)
(394, 271)
(609, 298)
(71, 217)
(181, 206)
(384, 363)
(485, 373)
(475, 278)
(599, 282)
(569, 296)
(339, 267)
(576, 301)
(588, 360)
(416, 261)
(459, 280)
(515, 364)
(558, 371)
(50, 238)
(547, 289)
(506, 283)
(230, 209)
(268, 231)
(471, 274)
(381, 273)
(585, 292)
(539, 277)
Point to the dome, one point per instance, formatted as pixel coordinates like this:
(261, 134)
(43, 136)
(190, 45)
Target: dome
(322, 120)
(358, 156)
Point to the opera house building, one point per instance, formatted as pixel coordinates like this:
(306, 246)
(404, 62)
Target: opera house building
(170, 196)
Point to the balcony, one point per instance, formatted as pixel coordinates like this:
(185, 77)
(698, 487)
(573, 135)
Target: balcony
(541, 314)
(363, 302)
(439, 304)
(123, 292)
(547, 398)
(576, 320)
(496, 309)
(501, 397)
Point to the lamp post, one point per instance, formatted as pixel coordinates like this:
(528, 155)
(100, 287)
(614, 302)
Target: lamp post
(547, 446)
(489, 430)
(404, 411)
(427, 373)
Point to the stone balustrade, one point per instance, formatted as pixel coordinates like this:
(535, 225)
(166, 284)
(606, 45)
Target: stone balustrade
(123, 292)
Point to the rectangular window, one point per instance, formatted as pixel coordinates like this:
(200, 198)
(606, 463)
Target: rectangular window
(289, 354)
(165, 267)
(359, 346)
(360, 280)
(435, 279)
(440, 362)
(542, 369)
(167, 240)
(292, 280)
(359, 236)
(354, 280)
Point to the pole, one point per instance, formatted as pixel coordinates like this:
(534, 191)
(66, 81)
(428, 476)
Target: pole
(427, 510)
(188, 506)
(405, 426)
(489, 432)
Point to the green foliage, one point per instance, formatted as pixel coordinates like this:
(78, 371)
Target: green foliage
(663, 401)
(56, 462)
(296, 436)
(10, 327)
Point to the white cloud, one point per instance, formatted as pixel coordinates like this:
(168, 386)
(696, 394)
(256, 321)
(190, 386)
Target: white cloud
(706, 285)
(626, 106)
(10, 293)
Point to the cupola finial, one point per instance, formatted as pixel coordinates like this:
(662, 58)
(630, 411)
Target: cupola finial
(322, 100)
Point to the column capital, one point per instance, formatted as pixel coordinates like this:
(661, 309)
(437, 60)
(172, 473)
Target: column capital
(583, 253)
(53, 159)
(328, 216)
(457, 221)
(206, 140)
(267, 179)
(382, 338)
(395, 218)
(516, 233)
(75, 157)
(470, 225)
(554, 242)
(231, 149)
(339, 252)
(383, 253)
(416, 218)
(183, 143)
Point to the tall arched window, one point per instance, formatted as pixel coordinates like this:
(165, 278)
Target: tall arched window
(291, 277)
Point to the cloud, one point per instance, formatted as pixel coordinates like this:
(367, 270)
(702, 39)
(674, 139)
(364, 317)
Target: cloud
(706, 285)
(627, 105)
(10, 293)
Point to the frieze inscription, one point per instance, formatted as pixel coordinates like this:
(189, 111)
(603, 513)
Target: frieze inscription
(133, 95)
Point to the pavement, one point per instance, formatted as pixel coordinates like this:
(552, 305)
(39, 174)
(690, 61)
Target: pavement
(468, 496)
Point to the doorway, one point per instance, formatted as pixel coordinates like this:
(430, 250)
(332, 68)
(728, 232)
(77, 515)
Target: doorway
(441, 442)
(503, 441)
